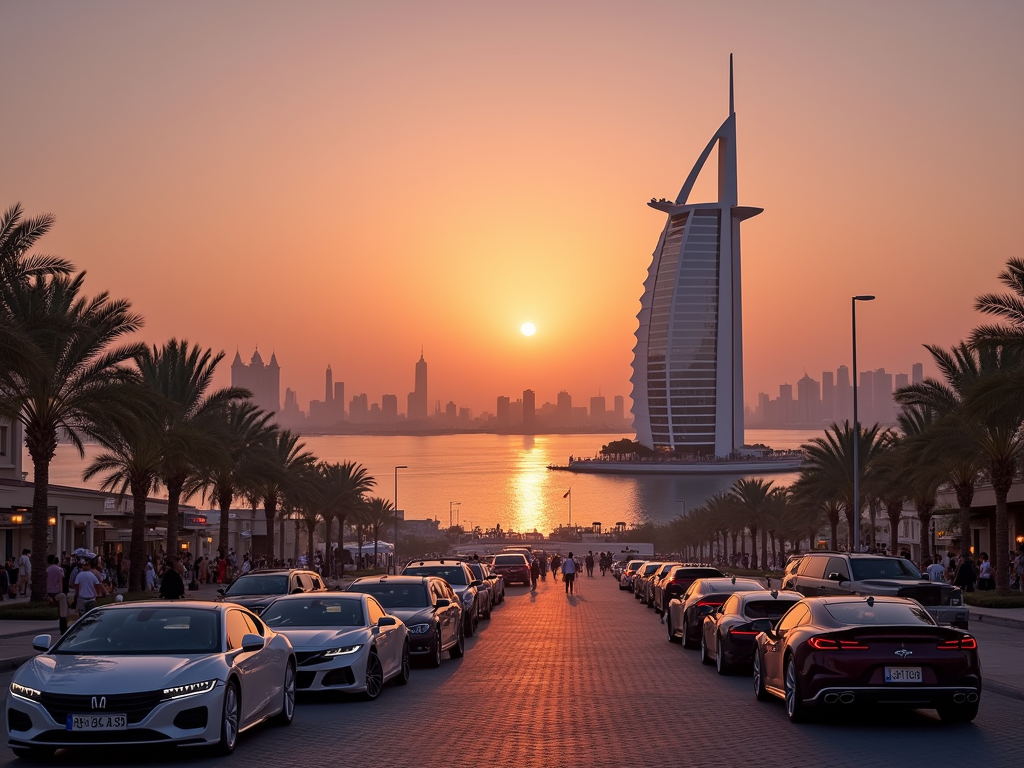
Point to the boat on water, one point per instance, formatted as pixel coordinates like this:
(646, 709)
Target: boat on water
(762, 465)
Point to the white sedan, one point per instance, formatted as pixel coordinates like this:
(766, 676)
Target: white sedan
(174, 672)
(344, 642)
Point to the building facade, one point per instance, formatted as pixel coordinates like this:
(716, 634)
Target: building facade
(688, 360)
(262, 379)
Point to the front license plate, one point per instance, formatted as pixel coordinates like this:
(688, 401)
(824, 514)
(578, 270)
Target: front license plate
(903, 675)
(97, 722)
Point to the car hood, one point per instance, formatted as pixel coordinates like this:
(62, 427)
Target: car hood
(895, 585)
(413, 615)
(253, 602)
(116, 674)
(317, 638)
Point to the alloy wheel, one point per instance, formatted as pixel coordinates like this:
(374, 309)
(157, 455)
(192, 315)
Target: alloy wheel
(374, 676)
(406, 670)
(719, 662)
(287, 713)
(229, 720)
(435, 660)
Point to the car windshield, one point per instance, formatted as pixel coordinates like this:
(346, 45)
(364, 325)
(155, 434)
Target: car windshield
(259, 584)
(478, 570)
(453, 574)
(315, 612)
(739, 585)
(510, 559)
(861, 612)
(651, 569)
(696, 573)
(767, 609)
(394, 595)
(143, 631)
(884, 568)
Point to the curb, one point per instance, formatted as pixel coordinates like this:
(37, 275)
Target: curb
(999, 621)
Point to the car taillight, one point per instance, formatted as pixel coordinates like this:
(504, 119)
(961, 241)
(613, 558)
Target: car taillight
(715, 603)
(741, 632)
(966, 643)
(829, 644)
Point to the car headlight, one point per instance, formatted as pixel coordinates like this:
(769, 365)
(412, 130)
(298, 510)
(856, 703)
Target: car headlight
(24, 692)
(419, 629)
(191, 689)
(467, 598)
(348, 649)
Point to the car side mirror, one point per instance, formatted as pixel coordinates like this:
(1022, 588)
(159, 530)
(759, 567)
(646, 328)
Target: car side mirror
(252, 643)
(837, 577)
(41, 643)
(706, 610)
(476, 583)
(298, 591)
(442, 602)
(387, 621)
(221, 590)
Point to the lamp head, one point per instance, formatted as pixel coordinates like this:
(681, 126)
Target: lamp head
(864, 298)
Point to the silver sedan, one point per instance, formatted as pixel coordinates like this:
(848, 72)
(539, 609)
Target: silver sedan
(181, 672)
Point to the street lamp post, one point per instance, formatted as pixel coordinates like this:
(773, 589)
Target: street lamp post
(856, 429)
(457, 503)
(394, 544)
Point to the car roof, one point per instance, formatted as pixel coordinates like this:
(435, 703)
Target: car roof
(410, 579)
(441, 561)
(324, 596)
(714, 581)
(837, 599)
(775, 594)
(856, 555)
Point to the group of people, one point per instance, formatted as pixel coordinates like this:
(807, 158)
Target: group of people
(962, 570)
(569, 567)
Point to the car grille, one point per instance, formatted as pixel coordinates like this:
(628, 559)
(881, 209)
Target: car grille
(341, 676)
(99, 737)
(18, 720)
(306, 657)
(923, 595)
(192, 719)
(136, 706)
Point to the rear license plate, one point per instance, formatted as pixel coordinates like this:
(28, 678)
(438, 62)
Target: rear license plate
(97, 722)
(903, 675)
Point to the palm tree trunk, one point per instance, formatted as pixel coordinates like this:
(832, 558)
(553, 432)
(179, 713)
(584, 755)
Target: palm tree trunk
(270, 512)
(850, 522)
(328, 560)
(310, 528)
(224, 499)
(1002, 480)
(965, 497)
(753, 546)
(137, 547)
(174, 486)
(894, 512)
(40, 521)
(833, 522)
(341, 546)
(925, 516)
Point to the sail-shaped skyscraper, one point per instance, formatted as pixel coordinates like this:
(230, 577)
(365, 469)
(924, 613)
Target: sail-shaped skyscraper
(688, 359)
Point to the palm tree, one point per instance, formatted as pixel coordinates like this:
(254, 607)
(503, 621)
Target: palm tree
(191, 419)
(828, 474)
(346, 483)
(921, 477)
(379, 512)
(75, 382)
(281, 462)
(751, 498)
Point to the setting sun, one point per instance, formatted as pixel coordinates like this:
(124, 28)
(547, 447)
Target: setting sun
(528, 329)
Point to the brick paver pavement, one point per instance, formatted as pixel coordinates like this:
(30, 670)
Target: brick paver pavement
(585, 681)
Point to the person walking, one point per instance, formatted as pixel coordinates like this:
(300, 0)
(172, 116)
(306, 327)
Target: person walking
(936, 571)
(87, 588)
(535, 572)
(24, 572)
(589, 562)
(55, 591)
(1018, 567)
(965, 575)
(569, 574)
(172, 585)
(985, 581)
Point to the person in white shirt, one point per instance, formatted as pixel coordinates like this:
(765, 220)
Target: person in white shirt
(24, 572)
(569, 573)
(936, 571)
(87, 588)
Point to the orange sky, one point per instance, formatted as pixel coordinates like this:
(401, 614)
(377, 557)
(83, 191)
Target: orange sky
(345, 182)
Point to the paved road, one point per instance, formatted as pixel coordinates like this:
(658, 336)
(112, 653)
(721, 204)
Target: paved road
(591, 681)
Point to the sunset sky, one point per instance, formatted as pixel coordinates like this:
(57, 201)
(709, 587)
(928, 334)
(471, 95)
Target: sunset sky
(350, 182)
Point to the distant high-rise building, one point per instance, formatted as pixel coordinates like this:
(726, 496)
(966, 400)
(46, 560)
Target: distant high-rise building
(563, 409)
(339, 399)
(688, 359)
(502, 412)
(598, 410)
(418, 397)
(529, 409)
(619, 408)
(359, 409)
(917, 373)
(844, 395)
(329, 386)
(884, 409)
(828, 396)
(808, 404)
(901, 380)
(389, 408)
(263, 380)
(451, 412)
(787, 413)
(866, 398)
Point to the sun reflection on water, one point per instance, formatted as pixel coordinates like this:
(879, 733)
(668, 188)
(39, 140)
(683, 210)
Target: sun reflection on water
(527, 487)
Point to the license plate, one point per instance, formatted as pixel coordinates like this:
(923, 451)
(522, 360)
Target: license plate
(903, 675)
(97, 722)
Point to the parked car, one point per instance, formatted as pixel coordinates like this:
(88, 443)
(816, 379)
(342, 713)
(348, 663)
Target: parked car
(175, 672)
(643, 574)
(484, 590)
(685, 616)
(514, 567)
(429, 607)
(729, 633)
(461, 579)
(494, 581)
(343, 642)
(649, 586)
(875, 651)
(629, 574)
(821, 574)
(258, 589)
(678, 580)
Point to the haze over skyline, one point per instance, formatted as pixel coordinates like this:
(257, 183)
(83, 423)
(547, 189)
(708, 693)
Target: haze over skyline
(348, 184)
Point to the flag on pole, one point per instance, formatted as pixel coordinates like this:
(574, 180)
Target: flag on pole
(564, 495)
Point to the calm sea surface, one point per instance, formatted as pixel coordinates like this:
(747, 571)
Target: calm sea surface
(500, 478)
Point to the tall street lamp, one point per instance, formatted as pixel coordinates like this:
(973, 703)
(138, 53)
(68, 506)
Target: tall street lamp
(456, 503)
(856, 430)
(394, 544)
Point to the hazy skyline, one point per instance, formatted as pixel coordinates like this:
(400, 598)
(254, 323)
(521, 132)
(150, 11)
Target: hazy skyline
(349, 183)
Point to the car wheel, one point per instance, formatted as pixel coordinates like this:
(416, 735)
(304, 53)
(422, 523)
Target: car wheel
(406, 669)
(435, 660)
(458, 650)
(487, 613)
(687, 642)
(760, 692)
(671, 633)
(959, 713)
(704, 657)
(720, 665)
(229, 720)
(374, 676)
(795, 707)
(287, 713)
(470, 624)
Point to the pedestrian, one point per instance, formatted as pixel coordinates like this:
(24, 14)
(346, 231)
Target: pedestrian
(1018, 567)
(936, 571)
(535, 572)
(569, 574)
(589, 562)
(24, 572)
(985, 581)
(172, 585)
(87, 588)
(543, 568)
(965, 575)
(246, 564)
(222, 569)
(150, 576)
